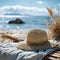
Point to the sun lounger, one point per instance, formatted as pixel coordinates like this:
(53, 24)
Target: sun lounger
(53, 56)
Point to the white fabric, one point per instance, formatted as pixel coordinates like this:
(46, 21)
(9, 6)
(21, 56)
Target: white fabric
(8, 51)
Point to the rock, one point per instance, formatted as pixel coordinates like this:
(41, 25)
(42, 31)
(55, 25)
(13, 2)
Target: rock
(17, 21)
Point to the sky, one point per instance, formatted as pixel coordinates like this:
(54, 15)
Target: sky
(30, 2)
(32, 7)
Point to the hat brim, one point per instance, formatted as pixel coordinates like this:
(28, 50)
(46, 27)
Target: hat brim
(25, 46)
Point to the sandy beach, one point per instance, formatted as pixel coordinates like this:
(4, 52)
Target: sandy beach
(19, 35)
(5, 36)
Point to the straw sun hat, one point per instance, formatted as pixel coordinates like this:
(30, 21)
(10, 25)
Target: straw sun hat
(36, 40)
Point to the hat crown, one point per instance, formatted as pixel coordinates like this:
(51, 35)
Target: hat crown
(36, 36)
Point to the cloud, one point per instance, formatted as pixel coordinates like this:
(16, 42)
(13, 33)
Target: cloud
(40, 2)
(18, 9)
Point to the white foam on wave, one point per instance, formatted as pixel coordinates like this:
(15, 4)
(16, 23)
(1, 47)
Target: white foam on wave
(11, 16)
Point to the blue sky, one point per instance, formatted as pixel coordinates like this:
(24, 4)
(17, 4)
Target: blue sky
(28, 4)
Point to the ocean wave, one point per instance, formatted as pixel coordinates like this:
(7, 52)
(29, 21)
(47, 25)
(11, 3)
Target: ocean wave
(11, 16)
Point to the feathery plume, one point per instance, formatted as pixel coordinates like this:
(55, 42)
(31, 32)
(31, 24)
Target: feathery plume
(50, 12)
(51, 15)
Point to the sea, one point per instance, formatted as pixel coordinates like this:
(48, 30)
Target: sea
(30, 22)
